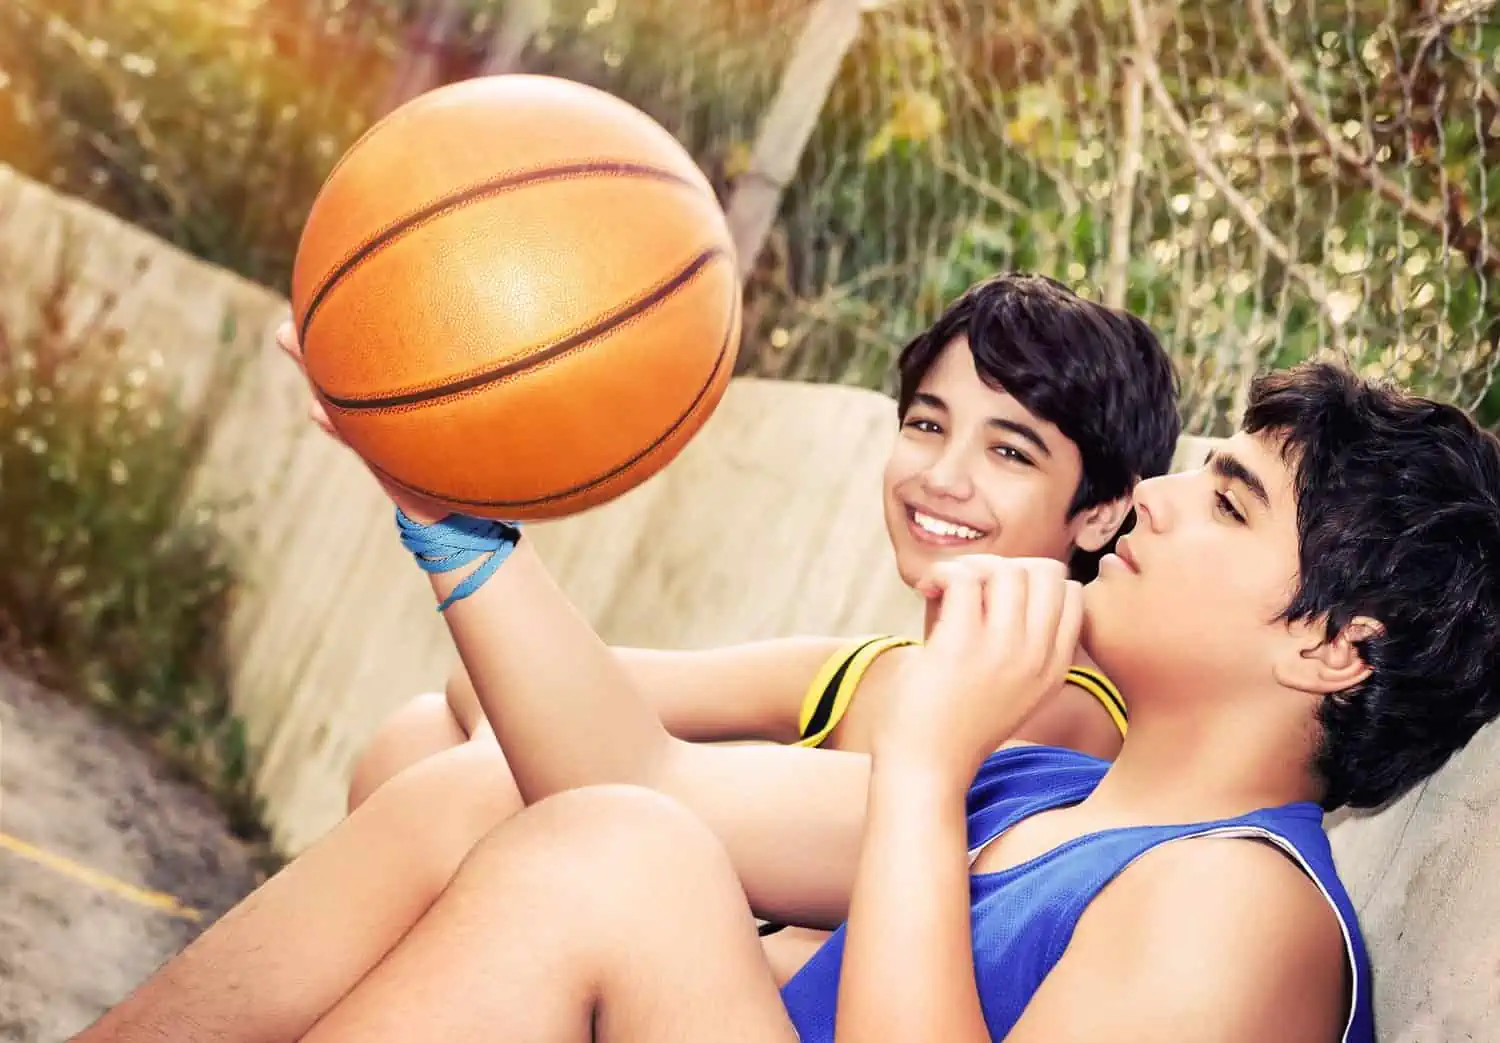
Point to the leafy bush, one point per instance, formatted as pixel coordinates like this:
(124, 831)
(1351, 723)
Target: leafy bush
(113, 587)
(211, 125)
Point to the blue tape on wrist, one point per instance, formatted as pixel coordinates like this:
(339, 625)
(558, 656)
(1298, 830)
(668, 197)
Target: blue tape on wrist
(456, 541)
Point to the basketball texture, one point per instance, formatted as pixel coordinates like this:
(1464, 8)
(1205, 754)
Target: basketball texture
(517, 296)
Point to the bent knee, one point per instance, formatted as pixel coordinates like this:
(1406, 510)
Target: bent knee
(610, 870)
(421, 728)
(463, 702)
(647, 840)
(439, 809)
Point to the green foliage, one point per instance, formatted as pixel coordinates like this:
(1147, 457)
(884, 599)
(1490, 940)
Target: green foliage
(1015, 165)
(112, 588)
(209, 124)
(960, 137)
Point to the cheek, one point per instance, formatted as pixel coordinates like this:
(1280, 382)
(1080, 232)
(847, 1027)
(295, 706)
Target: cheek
(1219, 602)
(904, 463)
(1030, 516)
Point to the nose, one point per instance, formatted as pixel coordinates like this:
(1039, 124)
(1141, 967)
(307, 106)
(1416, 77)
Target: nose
(948, 475)
(1151, 499)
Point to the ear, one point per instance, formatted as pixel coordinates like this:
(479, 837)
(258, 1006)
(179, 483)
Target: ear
(1096, 526)
(1322, 666)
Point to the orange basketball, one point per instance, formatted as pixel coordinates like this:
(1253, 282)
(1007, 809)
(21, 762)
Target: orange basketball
(518, 296)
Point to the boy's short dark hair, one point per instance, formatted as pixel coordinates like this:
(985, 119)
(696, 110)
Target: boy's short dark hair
(1100, 376)
(1398, 518)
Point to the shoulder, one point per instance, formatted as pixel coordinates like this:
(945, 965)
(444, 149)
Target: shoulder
(1233, 924)
(1226, 935)
(868, 667)
(1242, 877)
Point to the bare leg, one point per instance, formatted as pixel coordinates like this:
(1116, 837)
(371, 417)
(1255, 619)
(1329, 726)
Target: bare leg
(788, 949)
(606, 913)
(427, 725)
(422, 728)
(280, 959)
(437, 721)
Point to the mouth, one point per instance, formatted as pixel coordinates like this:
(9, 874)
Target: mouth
(941, 532)
(1124, 555)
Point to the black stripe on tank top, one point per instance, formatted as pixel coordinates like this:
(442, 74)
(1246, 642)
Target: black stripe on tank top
(823, 712)
(819, 720)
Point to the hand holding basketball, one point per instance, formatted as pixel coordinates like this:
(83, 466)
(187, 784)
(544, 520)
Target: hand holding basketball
(516, 296)
(415, 507)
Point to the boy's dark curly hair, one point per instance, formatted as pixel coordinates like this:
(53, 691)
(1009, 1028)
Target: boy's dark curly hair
(1398, 517)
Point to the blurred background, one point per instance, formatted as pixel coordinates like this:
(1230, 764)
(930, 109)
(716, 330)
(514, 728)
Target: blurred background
(1262, 180)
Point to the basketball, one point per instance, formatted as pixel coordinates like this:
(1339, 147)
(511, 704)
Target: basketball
(517, 296)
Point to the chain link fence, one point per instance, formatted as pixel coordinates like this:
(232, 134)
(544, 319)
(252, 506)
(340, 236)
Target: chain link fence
(1264, 180)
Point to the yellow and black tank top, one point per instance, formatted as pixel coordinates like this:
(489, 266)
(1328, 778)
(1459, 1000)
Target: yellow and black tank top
(832, 690)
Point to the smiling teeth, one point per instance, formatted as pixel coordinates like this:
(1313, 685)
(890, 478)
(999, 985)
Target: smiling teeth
(938, 527)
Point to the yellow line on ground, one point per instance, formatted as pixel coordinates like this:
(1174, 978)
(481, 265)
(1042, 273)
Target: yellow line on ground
(163, 903)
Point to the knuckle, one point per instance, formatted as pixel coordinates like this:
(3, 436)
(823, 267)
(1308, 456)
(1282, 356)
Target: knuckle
(1048, 568)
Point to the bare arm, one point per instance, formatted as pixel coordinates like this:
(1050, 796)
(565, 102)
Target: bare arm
(1220, 940)
(1003, 638)
(908, 969)
(1069, 717)
(568, 714)
(751, 691)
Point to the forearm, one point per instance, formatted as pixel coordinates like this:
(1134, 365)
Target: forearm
(567, 715)
(558, 699)
(908, 968)
(742, 692)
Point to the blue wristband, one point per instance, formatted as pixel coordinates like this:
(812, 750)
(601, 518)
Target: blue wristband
(454, 542)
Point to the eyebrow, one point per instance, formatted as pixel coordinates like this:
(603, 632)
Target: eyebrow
(1015, 427)
(1230, 468)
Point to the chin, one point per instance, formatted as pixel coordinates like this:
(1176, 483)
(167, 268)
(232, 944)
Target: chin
(911, 565)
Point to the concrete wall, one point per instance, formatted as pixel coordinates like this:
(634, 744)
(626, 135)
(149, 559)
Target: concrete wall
(768, 524)
(337, 628)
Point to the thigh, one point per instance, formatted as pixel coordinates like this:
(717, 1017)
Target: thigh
(789, 948)
(424, 727)
(609, 914)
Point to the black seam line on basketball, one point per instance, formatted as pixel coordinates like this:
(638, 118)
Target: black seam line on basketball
(473, 194)
(614, 472)
(600, 328)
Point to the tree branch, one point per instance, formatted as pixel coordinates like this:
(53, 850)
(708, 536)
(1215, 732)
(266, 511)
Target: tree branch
(1150, 71)
(1444, 22)
(1122, 217)
(1468, 237)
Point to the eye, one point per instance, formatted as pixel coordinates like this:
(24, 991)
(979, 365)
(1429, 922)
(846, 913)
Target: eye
(1012, 453)
(927, 427)
(1226, 507)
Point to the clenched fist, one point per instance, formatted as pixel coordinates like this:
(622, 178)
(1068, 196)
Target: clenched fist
(1005, 634)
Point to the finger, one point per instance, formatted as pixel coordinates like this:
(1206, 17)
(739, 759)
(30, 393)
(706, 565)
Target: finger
(286, 340)
(1069, 629)
(319, 416)
(1045, 590)
(1005, 595)
(961, 603)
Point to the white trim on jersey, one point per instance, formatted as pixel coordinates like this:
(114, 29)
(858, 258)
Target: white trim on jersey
(1286, 846)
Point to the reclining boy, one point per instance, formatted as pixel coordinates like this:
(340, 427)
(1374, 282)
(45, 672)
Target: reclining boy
(1026, 415)
(1304, 623)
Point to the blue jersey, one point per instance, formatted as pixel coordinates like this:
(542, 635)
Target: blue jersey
(1024, 916)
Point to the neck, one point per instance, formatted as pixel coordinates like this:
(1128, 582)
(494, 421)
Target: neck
(1188, 760)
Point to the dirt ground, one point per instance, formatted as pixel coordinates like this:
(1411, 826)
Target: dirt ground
(83, 811)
